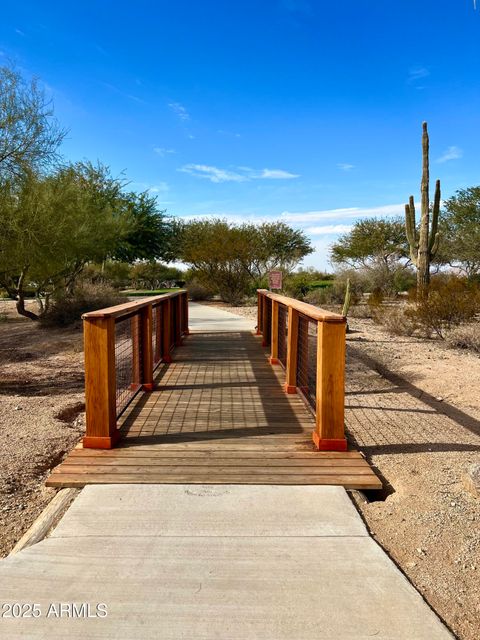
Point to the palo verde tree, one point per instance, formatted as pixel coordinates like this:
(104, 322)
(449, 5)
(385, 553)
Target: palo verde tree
(232, 260)
(29, 133)
(460, 231)
(377, 246)
(423, 242)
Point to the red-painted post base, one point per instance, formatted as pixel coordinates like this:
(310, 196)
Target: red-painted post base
(274, 361)
(149, 386)
(290, 388)
(264, 343)
(101, 442)
(167, 358)
(326, 444)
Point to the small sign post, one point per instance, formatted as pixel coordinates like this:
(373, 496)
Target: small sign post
(275, 280)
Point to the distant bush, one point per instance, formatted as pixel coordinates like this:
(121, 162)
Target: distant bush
(466, 337)
(451, 302)
(396, 320)
(67, 310)
(197, 291)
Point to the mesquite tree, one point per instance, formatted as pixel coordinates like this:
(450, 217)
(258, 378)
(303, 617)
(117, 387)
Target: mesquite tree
(425, 240)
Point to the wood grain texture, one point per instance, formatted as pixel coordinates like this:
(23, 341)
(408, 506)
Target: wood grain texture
(218, 414)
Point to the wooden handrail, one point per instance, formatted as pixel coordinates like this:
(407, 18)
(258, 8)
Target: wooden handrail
(126, 309)
(123, 338)
(309, 310)
(329, 367)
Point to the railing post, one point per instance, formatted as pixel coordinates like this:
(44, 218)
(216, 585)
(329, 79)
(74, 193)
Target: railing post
(264, 321)
(177, 301)
(329, 434)
(146, 323)
(100, 384)
(167, 327)
(185, 313)
(135, 332)
(274, 334)
(292, 352)
(259, 313)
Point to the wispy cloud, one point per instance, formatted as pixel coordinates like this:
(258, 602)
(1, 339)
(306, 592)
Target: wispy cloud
(350, 213)
(329, 229)
(231, 134)
(344, 166)
(161, 187)
(180, 111)
(239, 174)
(452, 153)
(20, 32)
(214, 174)
(417, 73)
(162, 151)
(130, 96)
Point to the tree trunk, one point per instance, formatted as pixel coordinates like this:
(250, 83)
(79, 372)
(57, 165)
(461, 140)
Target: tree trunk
(21, 308)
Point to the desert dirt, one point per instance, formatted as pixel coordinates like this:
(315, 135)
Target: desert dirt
(41, 415)
(413, 408)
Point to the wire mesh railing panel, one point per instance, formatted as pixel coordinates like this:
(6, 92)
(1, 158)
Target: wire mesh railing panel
(173, 325)
(157, 312)
(307, 359)
(267, 338)
(282, 333)
(128, 361)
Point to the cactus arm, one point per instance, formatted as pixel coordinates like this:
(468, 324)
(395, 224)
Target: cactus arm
(347, 300)
(436, 244)
(411, 230)
(434, 240)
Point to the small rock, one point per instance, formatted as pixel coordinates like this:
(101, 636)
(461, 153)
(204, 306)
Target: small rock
(453, 504)
(471, 480)
(18, 408)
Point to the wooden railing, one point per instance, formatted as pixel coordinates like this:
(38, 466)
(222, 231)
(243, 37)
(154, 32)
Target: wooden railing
(123, 347)
(310, 344)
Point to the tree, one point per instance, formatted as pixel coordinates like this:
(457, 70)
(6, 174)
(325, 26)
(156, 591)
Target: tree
(460, 230)
(424, 242)
(154, 275)
(29, 133)
(234, 259)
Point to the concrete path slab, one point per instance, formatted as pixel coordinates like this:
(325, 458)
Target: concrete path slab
(271, 567)
(211, 510)
(207, 318)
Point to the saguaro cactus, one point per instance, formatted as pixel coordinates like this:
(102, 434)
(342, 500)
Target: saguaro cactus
(423, 242)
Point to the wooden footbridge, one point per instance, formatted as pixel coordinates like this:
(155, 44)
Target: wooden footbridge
(167, 406)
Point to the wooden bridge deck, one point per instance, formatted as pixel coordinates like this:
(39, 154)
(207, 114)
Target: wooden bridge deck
(218, 416)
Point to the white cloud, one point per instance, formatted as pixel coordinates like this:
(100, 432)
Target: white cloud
(20, 33)
(161, 187)
(328, 229)
(214, 174)
(350, 213)
(161, 151)
(344, 166)
(417, 73)
(275, 174)
(179, 110)
(452, 153)
(241, 174)
(223, 132)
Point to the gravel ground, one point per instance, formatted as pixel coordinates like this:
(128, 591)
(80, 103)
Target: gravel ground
(41, 400)
(413, 407)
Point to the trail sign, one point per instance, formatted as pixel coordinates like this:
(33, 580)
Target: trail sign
(275, 280)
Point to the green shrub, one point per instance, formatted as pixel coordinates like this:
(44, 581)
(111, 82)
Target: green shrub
(451, 302)
(66, 310)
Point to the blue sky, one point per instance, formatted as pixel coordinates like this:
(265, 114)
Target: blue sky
(301, 110)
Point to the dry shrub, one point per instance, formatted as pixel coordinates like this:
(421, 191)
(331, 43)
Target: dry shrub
(466, 337)
(451, 302)
(66, 310)
(197, 291)
(360, 312)
(397, 321)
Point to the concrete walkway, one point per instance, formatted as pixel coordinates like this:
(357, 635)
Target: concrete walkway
(209, 318)
(226, 562)
(203, 561)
